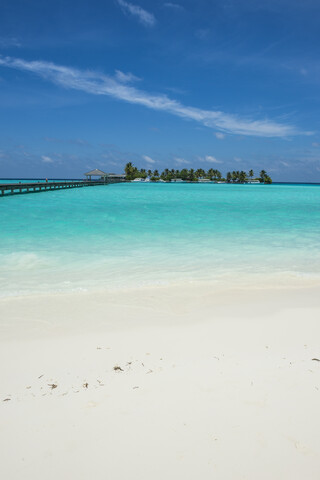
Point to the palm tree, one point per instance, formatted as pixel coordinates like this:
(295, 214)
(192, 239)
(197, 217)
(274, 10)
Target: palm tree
(130, 171)
(263, 174)
(210, 173)
(242, 176)
(251, 173)
(192, 176)
(165, 174)
(216, 175)
(267, 179)
(184, 174)
(200, 173)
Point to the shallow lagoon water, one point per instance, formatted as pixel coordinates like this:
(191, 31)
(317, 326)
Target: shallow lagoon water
(131, 235)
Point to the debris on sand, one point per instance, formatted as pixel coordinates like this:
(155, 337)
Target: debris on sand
(52, 385)
(116, 367)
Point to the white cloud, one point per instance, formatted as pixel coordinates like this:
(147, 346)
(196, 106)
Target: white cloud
(220, 135)
(182, 161)
(237, 159)
(173, 5)
(148, 159)
(143, 16)
(210, 159)
(126, 77)
(98, 84)
(9, 42)
(46, 159)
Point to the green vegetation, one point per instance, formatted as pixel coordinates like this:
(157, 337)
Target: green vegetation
(264, 178)
(243, 177)
(192, 175)
(132, 172)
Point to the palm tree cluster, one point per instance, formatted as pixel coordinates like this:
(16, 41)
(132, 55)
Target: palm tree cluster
(242, 177)
(192, 175)
(264, 178)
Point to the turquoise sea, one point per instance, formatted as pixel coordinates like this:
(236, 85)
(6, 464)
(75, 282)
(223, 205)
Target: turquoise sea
(132, 235)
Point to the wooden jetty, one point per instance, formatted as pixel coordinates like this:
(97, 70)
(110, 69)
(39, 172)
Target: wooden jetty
(18, 188)
(33, 187)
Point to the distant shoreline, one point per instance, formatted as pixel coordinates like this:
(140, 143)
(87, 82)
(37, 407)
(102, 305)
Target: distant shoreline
(129, 181)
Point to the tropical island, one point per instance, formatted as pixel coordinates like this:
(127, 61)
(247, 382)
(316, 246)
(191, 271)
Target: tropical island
(199, 175)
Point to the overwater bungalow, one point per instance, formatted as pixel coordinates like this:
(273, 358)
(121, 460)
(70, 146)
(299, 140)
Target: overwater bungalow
(95, 173)
(116, 177)
(105, 177)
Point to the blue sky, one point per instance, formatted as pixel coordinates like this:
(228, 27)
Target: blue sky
(227, 84)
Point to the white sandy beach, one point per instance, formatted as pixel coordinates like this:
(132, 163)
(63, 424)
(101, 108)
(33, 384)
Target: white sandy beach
(213, 384)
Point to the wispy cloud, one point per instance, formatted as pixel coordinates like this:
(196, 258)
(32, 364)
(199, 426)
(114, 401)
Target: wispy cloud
(182, 161)
(126, 77)
(285, 164)
(173, 5)
(144, 17)
(47, 159)
(220, 135)
(148, 159)
(98, 84)
(210, 159)
(6, 42)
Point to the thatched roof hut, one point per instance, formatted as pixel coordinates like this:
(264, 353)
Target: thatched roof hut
(96, 173)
